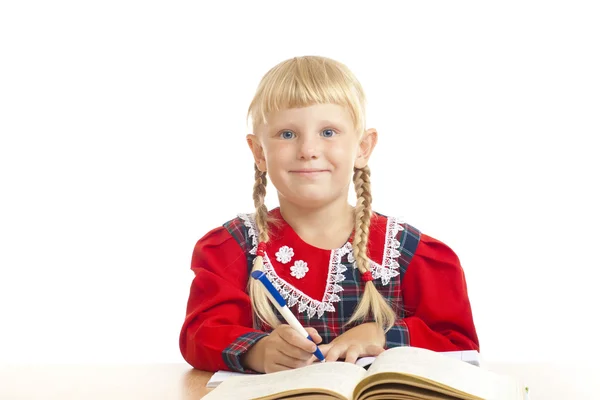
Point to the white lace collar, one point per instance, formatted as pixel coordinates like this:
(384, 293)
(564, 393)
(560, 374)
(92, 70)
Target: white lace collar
(390, 266)
(307, 304)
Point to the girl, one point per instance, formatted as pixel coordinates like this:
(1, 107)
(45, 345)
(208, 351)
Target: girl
(359, 281)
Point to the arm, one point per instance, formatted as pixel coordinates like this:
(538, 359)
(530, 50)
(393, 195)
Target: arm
(438, 312)
(217, 330)
(436, 300)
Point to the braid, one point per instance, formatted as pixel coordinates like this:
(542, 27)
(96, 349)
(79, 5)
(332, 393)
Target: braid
(260, 303)
(258, 195)
(363, 214)
(372, 302)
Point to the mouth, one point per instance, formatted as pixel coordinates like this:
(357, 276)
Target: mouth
(308, 171)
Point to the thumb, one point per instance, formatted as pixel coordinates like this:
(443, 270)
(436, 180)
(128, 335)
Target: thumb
(314, 335)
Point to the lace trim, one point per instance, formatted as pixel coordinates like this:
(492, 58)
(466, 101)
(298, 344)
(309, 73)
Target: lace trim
(293, 295)
(390, 266)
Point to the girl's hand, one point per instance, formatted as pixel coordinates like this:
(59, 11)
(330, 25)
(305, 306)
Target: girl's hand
(364, 340)
(283, 349)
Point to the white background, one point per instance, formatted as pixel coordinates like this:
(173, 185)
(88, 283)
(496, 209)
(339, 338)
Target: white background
(123, 127)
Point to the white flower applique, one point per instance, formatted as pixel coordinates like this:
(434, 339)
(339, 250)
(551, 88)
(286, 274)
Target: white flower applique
(299, 269)
(285, 254)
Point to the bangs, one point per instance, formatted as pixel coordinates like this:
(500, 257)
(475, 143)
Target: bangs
(305, 81)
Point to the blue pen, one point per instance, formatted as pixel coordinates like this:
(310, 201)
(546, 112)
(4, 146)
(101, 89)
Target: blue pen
(281, 305)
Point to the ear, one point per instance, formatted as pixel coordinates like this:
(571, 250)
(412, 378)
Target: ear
(365, 148)
(257, 152)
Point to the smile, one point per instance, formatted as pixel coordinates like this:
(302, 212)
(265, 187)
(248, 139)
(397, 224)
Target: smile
(309, 172)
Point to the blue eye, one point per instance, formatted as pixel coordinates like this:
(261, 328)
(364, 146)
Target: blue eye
(287, 134)
(328, 133)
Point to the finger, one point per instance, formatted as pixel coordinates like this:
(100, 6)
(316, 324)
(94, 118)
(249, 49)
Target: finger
(325, 348)
(373, 350)
(296, 353)
(352, 354)
(314, 335)
(293, 351)
(334, 353)
(296, 340)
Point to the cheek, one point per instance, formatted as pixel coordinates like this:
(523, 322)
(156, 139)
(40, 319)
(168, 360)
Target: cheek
(276, 157)
(282, 150)
(343, 155)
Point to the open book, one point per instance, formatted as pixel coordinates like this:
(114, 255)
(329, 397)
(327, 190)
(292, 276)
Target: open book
(470, 356)
(408, 373)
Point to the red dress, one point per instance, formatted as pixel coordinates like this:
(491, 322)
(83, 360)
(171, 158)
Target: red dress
(420, 276)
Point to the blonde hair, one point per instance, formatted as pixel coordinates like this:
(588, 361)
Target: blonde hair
(301, 82)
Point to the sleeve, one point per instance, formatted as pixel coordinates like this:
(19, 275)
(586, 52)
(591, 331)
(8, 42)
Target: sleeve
(217, 329)
(438, 310)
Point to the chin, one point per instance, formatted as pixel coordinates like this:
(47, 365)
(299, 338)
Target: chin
(316, 200)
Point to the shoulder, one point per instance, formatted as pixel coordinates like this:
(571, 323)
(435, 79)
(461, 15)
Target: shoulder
(435, 250)
(434, 265)
(381, 223)
(217, 235)
(412, 244)
(435, 259)
(240, 230)
(228, 238)
(213, 244)
(219, 256)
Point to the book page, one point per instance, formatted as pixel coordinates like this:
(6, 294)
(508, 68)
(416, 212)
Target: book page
(338, 377)
(448, 371)
(220, 376)
(470, 356)
(364, 361)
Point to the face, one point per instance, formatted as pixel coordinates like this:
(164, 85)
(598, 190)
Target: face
(310, 153)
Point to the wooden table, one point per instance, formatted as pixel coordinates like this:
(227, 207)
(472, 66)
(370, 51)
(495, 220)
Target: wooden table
(180, 381)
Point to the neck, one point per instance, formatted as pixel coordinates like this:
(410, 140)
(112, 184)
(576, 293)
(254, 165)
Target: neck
(326, 227)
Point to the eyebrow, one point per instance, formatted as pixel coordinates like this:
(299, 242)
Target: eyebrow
(327, 122)
(293, 126)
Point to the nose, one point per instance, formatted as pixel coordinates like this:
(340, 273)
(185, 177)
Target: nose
(309, 148)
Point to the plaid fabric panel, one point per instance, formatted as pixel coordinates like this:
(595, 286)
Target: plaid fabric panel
(232, 354)
(409, 240)
(239, 231)
(332, 324)
(397, 336)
